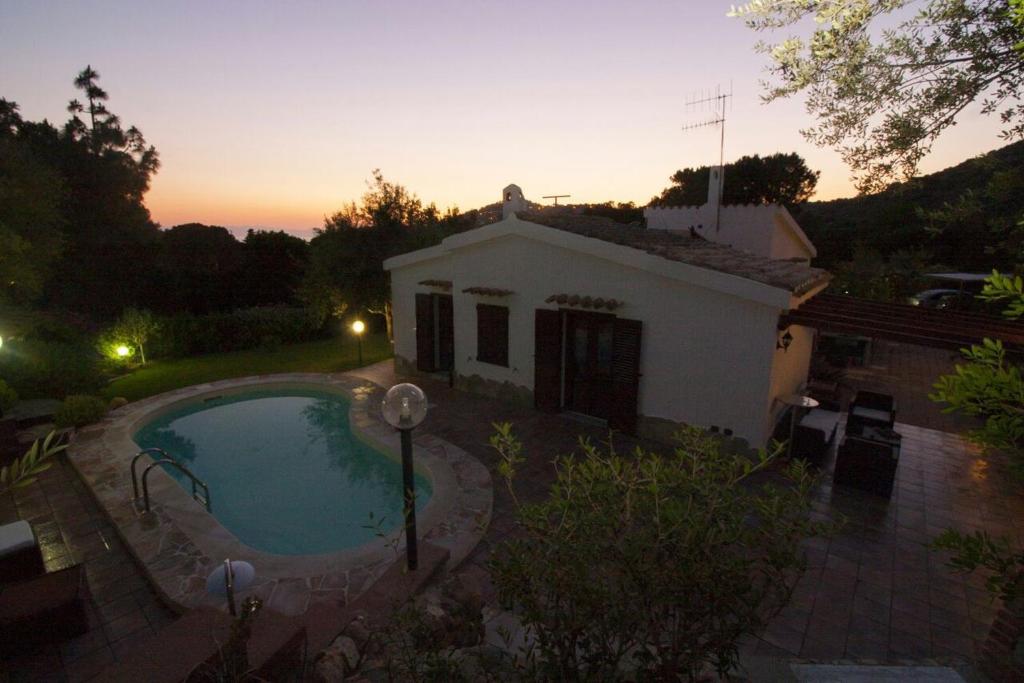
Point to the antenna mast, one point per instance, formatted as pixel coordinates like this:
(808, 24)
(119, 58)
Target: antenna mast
(716, 103)
(556, 197)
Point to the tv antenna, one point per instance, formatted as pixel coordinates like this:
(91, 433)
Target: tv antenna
(556, 197)
(714, 102)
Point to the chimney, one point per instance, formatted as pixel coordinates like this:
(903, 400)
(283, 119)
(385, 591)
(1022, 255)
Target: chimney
(511, 201)
(716, 183)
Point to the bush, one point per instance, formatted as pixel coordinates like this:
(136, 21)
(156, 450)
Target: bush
(50, 369)
(651, 567)
(8, 397)
(80, 410)
(248, 328)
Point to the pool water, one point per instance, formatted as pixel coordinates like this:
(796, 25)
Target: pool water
(285, 472)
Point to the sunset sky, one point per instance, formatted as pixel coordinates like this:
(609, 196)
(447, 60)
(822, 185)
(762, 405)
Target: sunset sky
(274, 114)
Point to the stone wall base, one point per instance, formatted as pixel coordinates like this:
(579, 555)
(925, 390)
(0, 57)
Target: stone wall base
(663, 431)
(503, 391)
(1002, 657)
(473, 384)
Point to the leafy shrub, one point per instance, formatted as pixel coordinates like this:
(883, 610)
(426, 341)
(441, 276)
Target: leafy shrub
(132, 331)
(50, 369)
(80, 410)
(651, 567)
(118, 402)
(24, 470)
(267, 326)
(8, 396)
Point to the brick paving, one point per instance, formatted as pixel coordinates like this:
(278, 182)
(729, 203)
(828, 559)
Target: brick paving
(907, 373)
(872, 592)
(71, 529)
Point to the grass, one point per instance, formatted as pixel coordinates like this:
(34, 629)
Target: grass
(328, 355)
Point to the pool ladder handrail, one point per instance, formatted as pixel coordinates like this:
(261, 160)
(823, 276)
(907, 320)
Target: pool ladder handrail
(166, 459)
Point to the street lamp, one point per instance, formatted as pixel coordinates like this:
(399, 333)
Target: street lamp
(230, 577)
(359, 327)
(404, 407)
(123, 351)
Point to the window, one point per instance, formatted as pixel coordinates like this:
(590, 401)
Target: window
(492, 334)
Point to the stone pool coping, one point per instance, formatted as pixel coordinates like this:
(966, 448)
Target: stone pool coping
(178, 543)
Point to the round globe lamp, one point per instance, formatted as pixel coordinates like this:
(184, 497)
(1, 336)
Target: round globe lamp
(228, 578)
(404, 407)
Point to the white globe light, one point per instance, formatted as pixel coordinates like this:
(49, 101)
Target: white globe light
(358, 327)
(242, 574)
(404, 406)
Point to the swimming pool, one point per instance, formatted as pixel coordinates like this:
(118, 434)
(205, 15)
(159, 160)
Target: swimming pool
(286, 474)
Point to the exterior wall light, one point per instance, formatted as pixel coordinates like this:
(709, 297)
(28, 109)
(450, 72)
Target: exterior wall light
(784, 341)
(359, 327)
(404, 407)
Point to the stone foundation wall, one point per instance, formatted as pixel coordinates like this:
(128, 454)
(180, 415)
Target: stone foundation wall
(503, 391)
(1002, 657)
(473, 384)
(663, 431)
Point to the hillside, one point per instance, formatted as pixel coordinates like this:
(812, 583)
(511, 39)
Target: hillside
(981, 199)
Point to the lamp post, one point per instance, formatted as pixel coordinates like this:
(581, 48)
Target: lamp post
(359, 327)
(230, 577)
(404, 407)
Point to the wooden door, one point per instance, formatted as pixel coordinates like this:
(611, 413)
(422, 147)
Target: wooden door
(424, 333)
(445, 322)
(547, 360)
(589, 364)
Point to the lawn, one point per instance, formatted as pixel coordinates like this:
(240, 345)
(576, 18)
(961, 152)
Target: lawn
(328, 355)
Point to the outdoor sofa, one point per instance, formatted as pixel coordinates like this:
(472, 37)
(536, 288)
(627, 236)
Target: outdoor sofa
(816, 432)
(46, 608)
(872, 408)
(867, 459)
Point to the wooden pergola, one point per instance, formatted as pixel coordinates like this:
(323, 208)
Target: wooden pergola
(903, 323)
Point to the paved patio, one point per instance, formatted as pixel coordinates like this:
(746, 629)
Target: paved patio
(71, 529)
(874, 592)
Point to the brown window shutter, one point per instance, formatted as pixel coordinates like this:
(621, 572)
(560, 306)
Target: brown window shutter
(492, 334)
(445, 332)
(625, 375)
(424, 333)
(547, 360)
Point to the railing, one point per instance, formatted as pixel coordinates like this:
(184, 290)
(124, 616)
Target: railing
(166, 459)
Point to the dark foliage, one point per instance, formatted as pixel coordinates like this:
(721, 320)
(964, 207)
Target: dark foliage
(775, 179)
(37, 368)
(965, 217)
(186, 334)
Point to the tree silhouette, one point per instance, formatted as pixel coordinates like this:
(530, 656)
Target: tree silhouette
(775, 179)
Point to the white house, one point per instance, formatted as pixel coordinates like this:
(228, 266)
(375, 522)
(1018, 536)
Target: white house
(646, 329)
(764, 230)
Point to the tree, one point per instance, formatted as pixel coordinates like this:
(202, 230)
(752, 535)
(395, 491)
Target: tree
(989, 385)
(775, 179)
(347, 255)
(31, 197)
(200, 267)
(883, 95)
(94, 174)
(651, 567)
(273, 266)
(133, 329)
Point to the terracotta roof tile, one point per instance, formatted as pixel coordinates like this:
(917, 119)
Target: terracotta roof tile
(694, 250)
